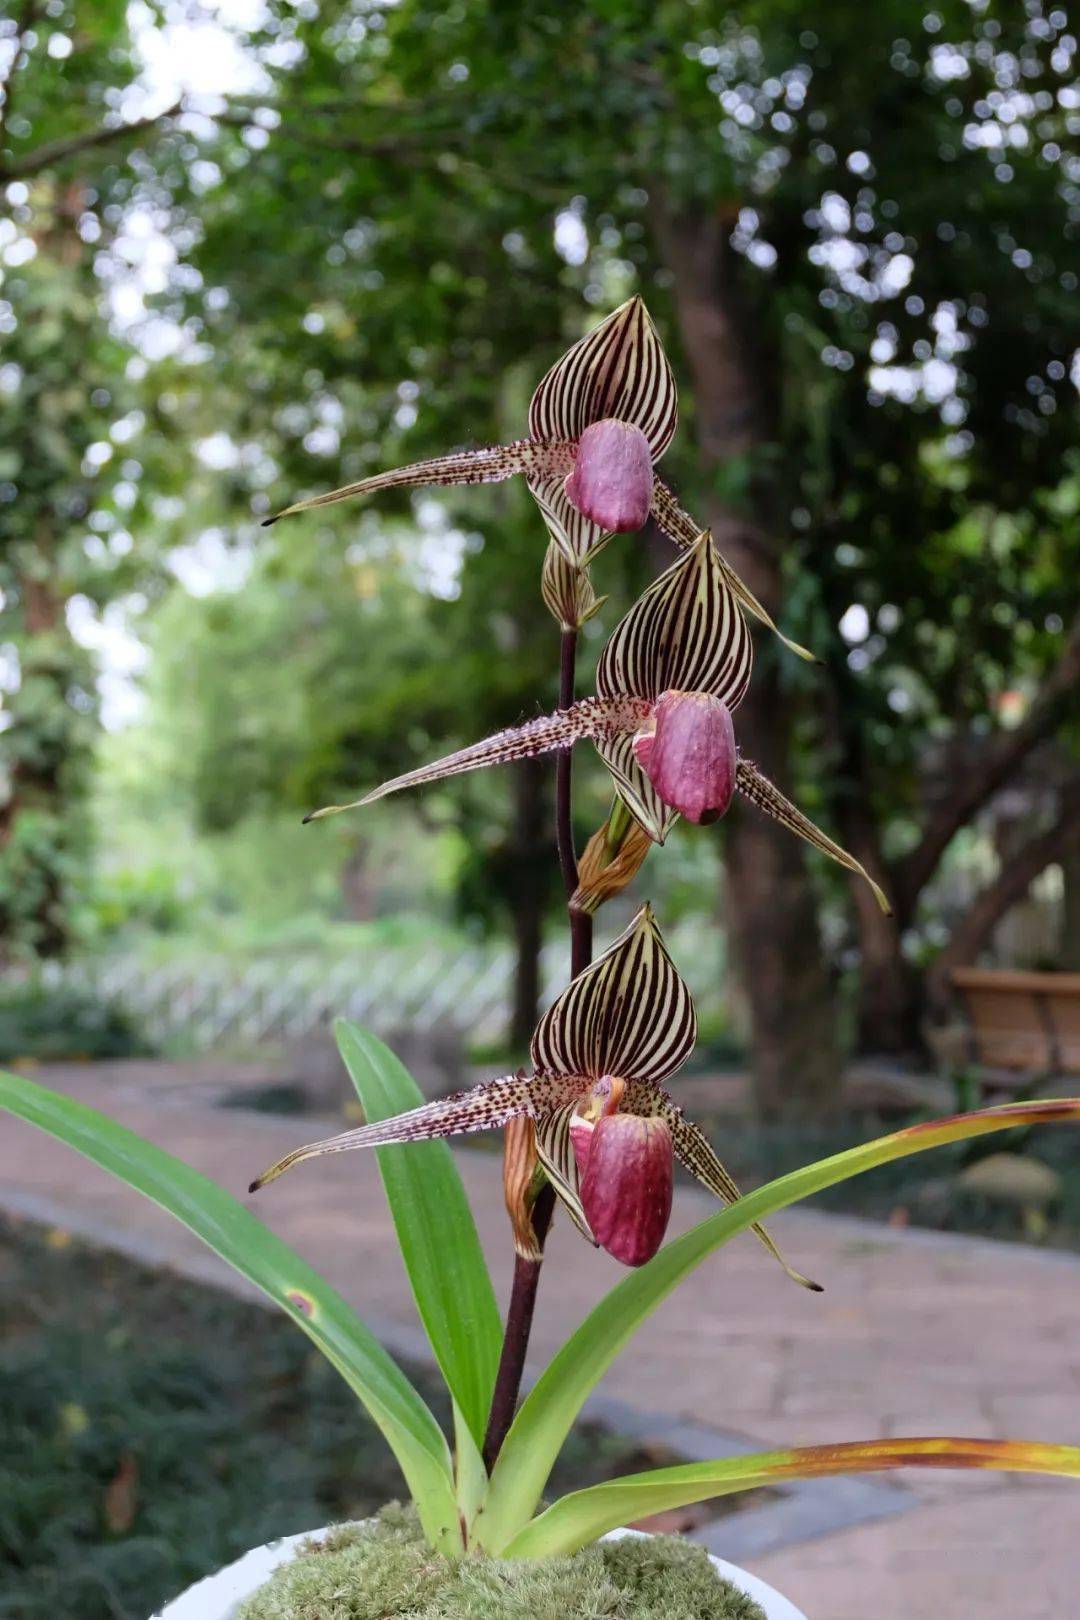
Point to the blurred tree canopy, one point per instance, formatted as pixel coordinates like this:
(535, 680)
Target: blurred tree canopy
(857, 234)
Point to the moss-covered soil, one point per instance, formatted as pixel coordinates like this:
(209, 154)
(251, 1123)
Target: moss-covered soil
(386, 1572)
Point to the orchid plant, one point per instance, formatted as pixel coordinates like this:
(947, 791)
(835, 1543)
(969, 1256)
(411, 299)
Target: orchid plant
(590, 1121)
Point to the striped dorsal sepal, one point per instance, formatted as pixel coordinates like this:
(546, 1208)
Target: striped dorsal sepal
(685, 633)
(617, 372)
(629, 1014)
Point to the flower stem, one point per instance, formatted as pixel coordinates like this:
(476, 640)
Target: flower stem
(519, 1314)
(580, 922)
(564, 824)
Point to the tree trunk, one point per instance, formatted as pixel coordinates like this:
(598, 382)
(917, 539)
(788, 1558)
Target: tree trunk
(530, 856)
(1069, 960)
(888, 1009)
(358, 885)
(888, 991)
(34, 912)
(774, 919)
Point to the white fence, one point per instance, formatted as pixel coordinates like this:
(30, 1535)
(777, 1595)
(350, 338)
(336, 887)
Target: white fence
(205, 1002)
(222, 1001)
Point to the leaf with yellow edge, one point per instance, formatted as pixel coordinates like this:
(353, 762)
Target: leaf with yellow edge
(549, 1410)
(579, 1518)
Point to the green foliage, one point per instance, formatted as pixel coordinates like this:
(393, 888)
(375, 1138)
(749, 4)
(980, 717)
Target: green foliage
(385, 1570)
(233, 1233)
(407, 298)
(435, 1231)
(903, 283)
(38, 1020)
(66, 406)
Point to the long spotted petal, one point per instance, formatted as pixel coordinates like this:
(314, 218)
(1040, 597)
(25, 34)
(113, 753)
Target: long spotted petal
(618, 369)
(695, 1153)
(679, 526)
(598, 718)
(629, 1014)
(685, 633)
(760, 791)
(555, 1151)
(568, 591)
(483, 1108)
(492, 465)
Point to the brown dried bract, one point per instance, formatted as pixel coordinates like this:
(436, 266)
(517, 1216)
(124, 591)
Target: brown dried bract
(601, 874)
(522, 1179)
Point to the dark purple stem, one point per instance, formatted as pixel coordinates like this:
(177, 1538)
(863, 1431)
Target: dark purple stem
(519, 1314)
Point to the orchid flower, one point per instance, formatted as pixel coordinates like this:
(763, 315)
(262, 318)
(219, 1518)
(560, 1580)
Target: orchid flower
(598, 423)
(607, 1133)
(672, 672)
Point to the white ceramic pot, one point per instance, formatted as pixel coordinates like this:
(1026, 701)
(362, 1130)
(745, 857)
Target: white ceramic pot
(218, 1596)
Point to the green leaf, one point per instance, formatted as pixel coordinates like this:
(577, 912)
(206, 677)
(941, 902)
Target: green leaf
(233, 1232)
(580, 1517)
(436, 1232)
(548, 1412)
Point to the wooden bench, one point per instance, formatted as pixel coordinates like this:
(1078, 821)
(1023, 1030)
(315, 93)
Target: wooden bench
(1020, 1023)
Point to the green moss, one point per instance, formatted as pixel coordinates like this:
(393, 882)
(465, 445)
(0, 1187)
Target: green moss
(385, 1571)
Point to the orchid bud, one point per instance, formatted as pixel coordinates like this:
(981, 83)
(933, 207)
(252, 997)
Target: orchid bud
(612, 480)
(690, 756)
(626, 1166)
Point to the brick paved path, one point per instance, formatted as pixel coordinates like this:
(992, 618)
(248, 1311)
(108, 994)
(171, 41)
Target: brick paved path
(917, 1334)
